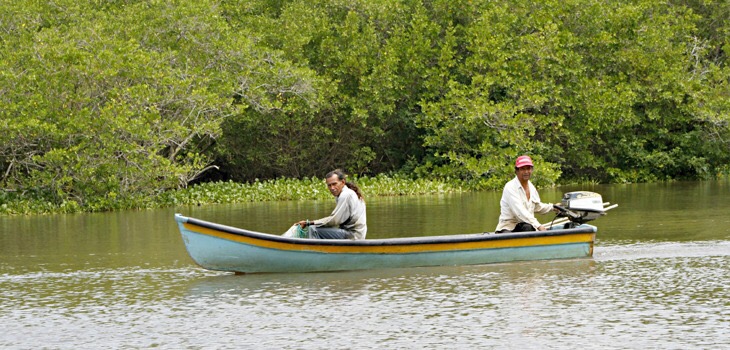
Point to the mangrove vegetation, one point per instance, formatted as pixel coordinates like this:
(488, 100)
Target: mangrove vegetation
(115, 104)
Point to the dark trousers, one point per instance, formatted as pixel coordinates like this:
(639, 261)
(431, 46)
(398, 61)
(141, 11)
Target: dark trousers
(521, 227)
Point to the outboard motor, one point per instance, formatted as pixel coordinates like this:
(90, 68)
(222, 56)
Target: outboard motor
(580, 207)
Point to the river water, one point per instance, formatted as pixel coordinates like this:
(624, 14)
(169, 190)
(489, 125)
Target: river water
(658, 280)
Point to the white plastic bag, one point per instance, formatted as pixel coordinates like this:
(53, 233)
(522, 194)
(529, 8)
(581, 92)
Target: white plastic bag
(296, 232)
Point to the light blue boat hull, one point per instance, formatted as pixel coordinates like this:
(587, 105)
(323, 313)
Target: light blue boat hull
(223, 248)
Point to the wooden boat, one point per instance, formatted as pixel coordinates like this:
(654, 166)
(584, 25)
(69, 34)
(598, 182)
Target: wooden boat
(218, 247)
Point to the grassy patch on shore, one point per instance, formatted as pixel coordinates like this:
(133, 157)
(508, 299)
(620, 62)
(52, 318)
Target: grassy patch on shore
(283, 189)
(301, 189)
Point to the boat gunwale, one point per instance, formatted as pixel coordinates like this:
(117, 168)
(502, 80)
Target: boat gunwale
(458, 238)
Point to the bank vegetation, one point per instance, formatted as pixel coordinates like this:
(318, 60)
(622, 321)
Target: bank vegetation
(129, 104)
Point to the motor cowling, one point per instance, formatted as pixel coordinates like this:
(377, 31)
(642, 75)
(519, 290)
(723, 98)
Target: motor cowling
(581, 206)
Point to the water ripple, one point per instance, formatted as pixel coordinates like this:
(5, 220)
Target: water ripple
(637, 296)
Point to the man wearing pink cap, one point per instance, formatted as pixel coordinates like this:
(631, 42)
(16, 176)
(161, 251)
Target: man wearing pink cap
(520, 201)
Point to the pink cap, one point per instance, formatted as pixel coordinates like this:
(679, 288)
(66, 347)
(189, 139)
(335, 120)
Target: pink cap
(523, 161)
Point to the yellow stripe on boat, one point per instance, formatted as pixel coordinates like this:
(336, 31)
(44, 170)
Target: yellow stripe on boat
(405, 248)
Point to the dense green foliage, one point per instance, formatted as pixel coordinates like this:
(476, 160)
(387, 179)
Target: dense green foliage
(114, 104)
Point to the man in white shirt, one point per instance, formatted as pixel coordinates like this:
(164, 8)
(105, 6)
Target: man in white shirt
(520, 201)
(348, 219)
